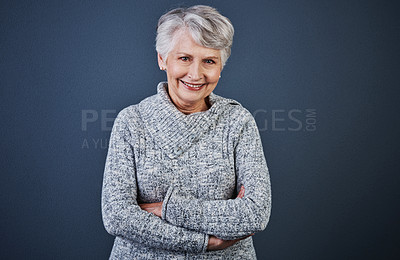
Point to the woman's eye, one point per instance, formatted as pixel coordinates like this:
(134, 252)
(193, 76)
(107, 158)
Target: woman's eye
(184, 58)
(209, 61)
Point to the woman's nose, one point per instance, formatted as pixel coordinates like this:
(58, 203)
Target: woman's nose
(195, 72)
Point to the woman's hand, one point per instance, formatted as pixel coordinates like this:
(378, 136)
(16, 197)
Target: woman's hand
(154, 208)
(215, 243)
(241, 193)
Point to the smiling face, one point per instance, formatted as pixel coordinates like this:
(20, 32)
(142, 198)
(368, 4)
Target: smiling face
(192, 71)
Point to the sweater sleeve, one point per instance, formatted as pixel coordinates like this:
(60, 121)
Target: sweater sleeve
(232, 218)
(121, 213)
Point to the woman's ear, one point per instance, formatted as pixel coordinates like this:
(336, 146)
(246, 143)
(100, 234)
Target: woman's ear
(161, 62)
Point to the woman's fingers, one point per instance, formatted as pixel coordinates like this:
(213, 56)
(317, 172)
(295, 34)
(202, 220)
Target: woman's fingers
(236, 240)
(154, 208)
(241, 193)
(215, 243)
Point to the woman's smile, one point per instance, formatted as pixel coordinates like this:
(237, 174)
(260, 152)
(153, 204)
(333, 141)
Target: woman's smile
(193, 87)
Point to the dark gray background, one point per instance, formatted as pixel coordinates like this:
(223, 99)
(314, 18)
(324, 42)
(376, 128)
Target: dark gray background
(335, 189)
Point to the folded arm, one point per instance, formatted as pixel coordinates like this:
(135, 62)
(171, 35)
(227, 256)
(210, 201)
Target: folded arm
(214, 243)
(233, 218)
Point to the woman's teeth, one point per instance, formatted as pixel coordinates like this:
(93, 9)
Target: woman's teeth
(191, 85)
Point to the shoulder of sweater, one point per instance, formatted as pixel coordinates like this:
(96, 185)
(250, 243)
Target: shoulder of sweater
(235, 108)
(129, 114)
(232, 105)
(237, 115)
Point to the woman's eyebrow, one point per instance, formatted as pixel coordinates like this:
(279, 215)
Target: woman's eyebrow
(207, 57)
(212, 57)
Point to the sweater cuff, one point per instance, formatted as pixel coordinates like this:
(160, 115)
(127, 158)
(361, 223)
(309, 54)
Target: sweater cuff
(206, 238)
(165, 202)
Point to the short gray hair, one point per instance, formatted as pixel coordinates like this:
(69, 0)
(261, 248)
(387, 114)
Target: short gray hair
(207, 26)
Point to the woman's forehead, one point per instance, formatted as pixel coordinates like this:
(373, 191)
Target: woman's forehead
(185, 44)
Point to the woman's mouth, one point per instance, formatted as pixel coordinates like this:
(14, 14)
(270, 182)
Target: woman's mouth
(194, 87)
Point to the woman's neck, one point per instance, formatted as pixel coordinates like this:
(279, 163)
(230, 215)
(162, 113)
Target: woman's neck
(192, 108)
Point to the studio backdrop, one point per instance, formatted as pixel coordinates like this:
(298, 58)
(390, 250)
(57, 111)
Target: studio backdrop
(320, 78)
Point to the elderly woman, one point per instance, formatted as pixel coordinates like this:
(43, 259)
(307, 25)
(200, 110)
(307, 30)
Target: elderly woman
(185, 175)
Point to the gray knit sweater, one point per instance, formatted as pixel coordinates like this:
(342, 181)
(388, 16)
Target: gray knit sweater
(195, 164)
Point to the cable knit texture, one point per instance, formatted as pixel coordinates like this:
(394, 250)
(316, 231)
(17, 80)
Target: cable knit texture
(196, 165)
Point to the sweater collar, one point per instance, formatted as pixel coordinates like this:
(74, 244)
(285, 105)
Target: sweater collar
(173, 131)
